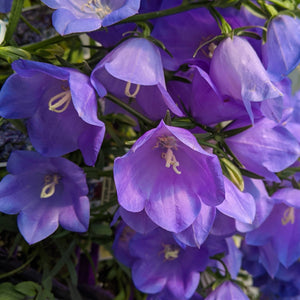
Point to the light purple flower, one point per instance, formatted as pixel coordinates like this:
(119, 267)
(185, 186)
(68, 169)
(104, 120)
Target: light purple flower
(45, 192)
(281, 52)
(237, 71)
(227, 290)
(168, 174)
(133, 72)
(89, 15)
(265, 148)
(60, 105)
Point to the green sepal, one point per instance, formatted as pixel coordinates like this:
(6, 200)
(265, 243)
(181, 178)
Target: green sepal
(233, 173)
(11, 54)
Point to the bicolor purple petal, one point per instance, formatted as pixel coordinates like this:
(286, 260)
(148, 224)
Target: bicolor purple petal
(88, 15)
(168, 174)
(60, 105)
(50, 192)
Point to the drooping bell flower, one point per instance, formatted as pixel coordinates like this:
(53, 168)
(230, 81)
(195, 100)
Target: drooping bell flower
(133, 72)
(265, 148)
(227, 290)
(89, 15)
(237, 71)
(168, 174)
(60, 107)
(160, 264)
(280, 52)
(281, 228)
(201, 98)
(45, 192)
(182, 33)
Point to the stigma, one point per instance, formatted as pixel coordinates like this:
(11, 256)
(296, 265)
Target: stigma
(169, 142)
(96, 6)
(60, 102)
(127, 90)
(50, 181)
(288, 216)
(171, 252)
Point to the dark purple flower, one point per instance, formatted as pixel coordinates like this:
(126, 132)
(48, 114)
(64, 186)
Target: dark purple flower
(281, 228)
(89, 15)
(45, 192)
(160, 263)
(133, 72)
(237, 72)
(201, 99)
(60, 105)
(168, 174)
(227, 290)
(281, 52)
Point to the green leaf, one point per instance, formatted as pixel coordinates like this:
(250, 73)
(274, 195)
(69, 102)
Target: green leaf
(8, 292)
(28, 288)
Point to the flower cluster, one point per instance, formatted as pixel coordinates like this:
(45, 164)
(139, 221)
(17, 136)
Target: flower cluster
(198, 121)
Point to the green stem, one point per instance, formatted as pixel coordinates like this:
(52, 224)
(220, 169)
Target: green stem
(131, 110)
(166, 12)
(14, 17)
(8, 274)
(45, 43)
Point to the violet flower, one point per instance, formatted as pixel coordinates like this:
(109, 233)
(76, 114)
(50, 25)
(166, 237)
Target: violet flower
(168, 174)
(89, 15)
(281, 52)
(281, 228)
(227, 290)
(237, 72)
(160, 263)
(133, 72)
(60, 105)
(45, 192)
(265, 148)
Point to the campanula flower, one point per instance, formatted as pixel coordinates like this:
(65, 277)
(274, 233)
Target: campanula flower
(265, 148)
(237, 72)
(281, 52)
(133, 72)
(89, 15)
(160, 263)
(60, 107)
(227, 290)
(44, 192)
(281, 228)
(168, 174)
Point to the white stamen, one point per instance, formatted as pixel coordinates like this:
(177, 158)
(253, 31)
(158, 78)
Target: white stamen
(49, 187)
(127, 90)
(60, 102)
(288, 216)
(96, 6)
(171, 160)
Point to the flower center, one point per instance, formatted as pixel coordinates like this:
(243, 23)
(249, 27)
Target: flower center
(171, 252)
(49, 186)
(60, 102)
(127, 90)
(98, 7)
(288, 216)
(169, 142)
